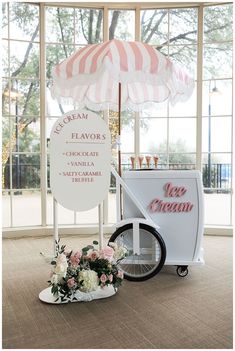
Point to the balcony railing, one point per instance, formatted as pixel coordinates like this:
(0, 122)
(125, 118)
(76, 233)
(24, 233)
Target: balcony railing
(25, 176)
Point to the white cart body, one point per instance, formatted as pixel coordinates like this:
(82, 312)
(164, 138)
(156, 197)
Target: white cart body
(181, 226)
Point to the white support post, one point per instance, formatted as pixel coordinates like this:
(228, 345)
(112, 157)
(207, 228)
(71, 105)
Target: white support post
(118, 199)
(136, 238)
(55, 223)
(101, 229)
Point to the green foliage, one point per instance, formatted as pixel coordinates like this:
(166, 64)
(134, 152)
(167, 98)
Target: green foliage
(177, 152)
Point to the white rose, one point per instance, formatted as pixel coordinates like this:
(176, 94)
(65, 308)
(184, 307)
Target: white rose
(61, 265)
(120, 253)
(114, 246)
(54, 279)
(89, 280)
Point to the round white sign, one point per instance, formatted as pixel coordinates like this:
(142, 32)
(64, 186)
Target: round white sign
(80, 158)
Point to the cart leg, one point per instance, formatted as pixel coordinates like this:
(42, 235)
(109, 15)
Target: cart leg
(101, 232)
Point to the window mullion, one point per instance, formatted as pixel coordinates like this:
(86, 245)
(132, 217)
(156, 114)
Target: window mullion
(43, 151)
(199, 89)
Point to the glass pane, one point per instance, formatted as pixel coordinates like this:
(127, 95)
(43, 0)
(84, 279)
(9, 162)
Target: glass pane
(127, 136)
(186, 56)
(185, 109)
(89, 26)
(181, 160)
(163, 50)
(6, 142)
(25, 171)
(154, 26)
(126, 161)
(113, 127)
(153, 135)
(53, 107)
(24, 21)
(220, 134)
(26, 208)
(6, 210)
(24, 59)
(182, 135)
(56, 54)
(24, 97)
(218, 23)
(217, 171)
(183, 26)
(214, 56)
(5, 97)
(5, 62)
(4, 20)
(67, 216)
(26, 134)
(122, 24)
(220, 102)
(6, 149)
(59, 25)
(217, 208)
(157, 110)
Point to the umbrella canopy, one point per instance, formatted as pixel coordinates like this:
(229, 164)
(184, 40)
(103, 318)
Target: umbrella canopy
(91, 77)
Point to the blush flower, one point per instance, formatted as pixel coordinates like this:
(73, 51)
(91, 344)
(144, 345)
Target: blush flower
(71, 282)
(75, 258)
(93, 255)
(120, 274)
(107, 253)
(103, 278)
(110, 278)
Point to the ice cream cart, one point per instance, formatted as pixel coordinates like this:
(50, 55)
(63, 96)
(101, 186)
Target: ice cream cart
(118, 75)
(163, 221)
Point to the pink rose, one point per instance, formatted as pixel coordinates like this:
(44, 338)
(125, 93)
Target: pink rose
(71, 282)
(120, 274)
(103, 278)
(75, 258)
(110, 277)
(107, 253)
(94, 255)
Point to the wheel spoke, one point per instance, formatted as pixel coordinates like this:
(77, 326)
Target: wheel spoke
(150, 257)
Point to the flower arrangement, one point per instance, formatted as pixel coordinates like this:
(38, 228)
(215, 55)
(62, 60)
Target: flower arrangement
(85, 270)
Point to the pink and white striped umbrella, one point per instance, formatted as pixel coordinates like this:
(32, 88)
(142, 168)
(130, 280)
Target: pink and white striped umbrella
(91, 77)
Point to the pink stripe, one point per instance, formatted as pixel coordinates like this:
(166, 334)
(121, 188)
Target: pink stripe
(153, 56)
(82, 63)
(122, 55)
(138, 56)
(95, 57)
(70, 63)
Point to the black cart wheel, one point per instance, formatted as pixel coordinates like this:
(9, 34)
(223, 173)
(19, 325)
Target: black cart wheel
(152, 252)
(182, 271)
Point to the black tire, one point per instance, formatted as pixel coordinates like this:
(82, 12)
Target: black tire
(155, 267)
(182, 271)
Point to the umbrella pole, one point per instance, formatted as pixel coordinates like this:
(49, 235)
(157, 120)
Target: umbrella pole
(119, 144)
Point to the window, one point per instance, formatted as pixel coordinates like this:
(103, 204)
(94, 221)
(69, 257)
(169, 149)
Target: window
(217, 113)
(167, 131)
(21, 110)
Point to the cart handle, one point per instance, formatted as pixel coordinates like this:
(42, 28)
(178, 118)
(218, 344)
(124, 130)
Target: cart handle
(120, 181)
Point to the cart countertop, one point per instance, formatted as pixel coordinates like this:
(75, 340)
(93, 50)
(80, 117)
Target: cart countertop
(158, 173)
